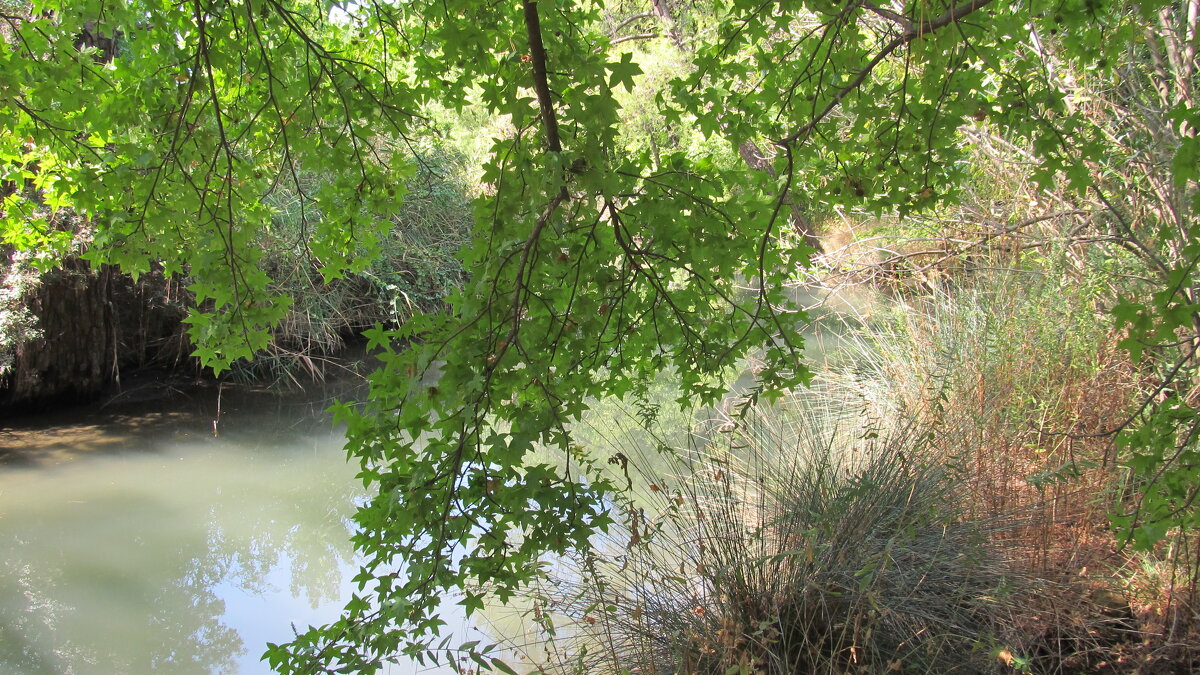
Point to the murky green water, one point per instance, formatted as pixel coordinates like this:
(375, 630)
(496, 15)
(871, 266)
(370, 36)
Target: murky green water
(143, 543)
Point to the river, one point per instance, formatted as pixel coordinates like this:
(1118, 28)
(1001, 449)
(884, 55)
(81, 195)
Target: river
(180, 535)
(173, 537)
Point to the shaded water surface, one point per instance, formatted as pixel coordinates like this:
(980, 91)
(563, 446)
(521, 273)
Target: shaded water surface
(143, 542)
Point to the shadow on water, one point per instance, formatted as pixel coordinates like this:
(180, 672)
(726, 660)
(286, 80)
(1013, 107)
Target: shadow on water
(132, 421)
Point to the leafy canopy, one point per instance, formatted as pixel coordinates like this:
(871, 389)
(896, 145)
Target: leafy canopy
(593, 265)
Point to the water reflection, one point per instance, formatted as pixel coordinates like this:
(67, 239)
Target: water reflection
(182, 553)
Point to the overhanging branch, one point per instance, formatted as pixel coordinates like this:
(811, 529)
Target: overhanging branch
(953, 15)
(537, 56)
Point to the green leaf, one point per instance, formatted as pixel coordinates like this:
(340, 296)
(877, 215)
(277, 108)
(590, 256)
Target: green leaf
(503, 667)
(623, 71)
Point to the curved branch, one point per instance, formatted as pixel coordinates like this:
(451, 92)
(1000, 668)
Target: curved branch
(924, 28)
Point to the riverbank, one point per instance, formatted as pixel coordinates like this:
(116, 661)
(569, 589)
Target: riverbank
(154, 403)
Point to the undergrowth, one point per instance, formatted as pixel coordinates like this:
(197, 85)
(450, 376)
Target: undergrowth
(936, 502)
(415, 272)
(797, 539)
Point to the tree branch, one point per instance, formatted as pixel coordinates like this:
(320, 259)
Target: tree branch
(537, 55)
(638, 36)
(888, 14)
(924, 28)
(617, 29)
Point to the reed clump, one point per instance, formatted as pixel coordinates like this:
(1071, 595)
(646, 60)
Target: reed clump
(936, 502)
(796, 540)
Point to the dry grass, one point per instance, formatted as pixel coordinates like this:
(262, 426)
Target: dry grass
(936, 503)
(797, 540)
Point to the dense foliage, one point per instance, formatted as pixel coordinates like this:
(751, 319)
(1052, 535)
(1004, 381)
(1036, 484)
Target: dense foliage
(595, 262)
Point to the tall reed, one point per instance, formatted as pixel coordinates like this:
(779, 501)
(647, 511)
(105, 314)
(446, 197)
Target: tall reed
(937, 502)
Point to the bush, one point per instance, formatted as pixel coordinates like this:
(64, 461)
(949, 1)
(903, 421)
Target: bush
(18, 325)
(796, 540)
(936, 502)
